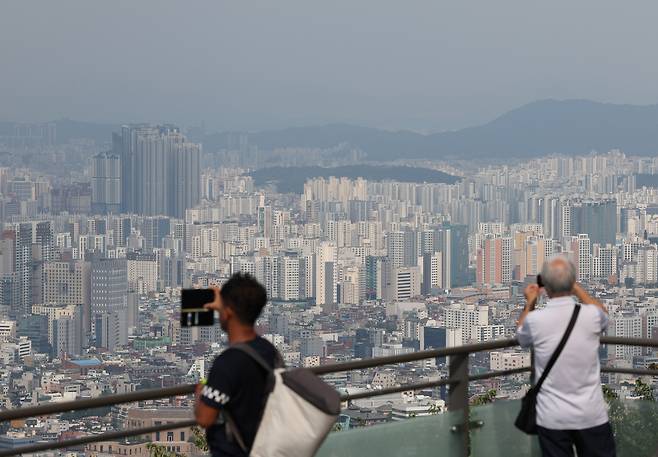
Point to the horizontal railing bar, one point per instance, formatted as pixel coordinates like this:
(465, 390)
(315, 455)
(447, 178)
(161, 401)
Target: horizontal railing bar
(496, 374)
(623, 341)
(637, 371)
(396, 389)
(88, 403)
(413, 356)
(428, 384)
(142, 431)
(109, 436)
(152, 394)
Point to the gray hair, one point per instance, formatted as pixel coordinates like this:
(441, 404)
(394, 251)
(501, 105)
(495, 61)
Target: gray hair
(558, 274)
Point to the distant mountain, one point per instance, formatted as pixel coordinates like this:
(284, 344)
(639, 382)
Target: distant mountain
(535, 129)
(292, 179)
(564, 127)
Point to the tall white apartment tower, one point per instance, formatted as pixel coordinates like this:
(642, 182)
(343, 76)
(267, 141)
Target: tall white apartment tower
(326, 274)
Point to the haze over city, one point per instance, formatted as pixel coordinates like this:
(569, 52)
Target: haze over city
(420, 65)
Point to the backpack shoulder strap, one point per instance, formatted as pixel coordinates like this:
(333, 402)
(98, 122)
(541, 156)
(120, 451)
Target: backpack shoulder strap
(559, 348)
(233, 431)
(251, 352)
(254, 355)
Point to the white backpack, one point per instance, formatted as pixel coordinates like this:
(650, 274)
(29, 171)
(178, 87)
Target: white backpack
(300, 410)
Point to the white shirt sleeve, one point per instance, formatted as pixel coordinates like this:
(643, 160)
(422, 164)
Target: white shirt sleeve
(523, 334)
(603, 317)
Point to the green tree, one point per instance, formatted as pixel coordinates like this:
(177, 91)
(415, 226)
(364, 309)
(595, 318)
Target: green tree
(608, 394)
(199, 439)
(434, 410)
(488, 397)
(643, 390)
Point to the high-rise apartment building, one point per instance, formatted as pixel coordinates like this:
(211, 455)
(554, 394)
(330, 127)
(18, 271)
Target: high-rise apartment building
(375, 277)
(109, 293)
(154, 229)
(142, 272)
(326, 273)
(67, 338)
(401, 248)
(581, 255)
(108, 329)
(629, 327)
(494, 261)
(45, 240)
(106, 183)
(65, 328)
(566, 213)
(604, 261)
(467, 317)
(160, 170)
(432, 273)
(596, 218)
(21, 279)
(68, 283)
(403, 283)
(454, 246)
(643, 269)
(35, 328)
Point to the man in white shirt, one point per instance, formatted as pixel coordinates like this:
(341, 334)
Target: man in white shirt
(570, 406)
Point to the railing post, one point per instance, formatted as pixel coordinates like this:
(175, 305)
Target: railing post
(458, 398)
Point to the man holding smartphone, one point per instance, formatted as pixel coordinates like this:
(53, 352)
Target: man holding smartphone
(236, 383)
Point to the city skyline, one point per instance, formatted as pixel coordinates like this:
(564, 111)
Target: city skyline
(397, 178)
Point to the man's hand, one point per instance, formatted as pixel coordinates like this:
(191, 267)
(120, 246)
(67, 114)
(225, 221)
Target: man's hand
(216, 304)
(580, 292)
(531, 294)
(586, 299)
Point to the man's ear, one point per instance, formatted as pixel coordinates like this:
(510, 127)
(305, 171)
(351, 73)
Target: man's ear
(228, 311)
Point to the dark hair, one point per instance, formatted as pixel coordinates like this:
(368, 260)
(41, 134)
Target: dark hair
(245, 296)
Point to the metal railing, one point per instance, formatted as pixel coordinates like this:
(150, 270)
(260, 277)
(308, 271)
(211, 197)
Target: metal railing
(458, 399)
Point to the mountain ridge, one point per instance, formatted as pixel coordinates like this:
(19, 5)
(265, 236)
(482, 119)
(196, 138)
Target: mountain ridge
(536, 129)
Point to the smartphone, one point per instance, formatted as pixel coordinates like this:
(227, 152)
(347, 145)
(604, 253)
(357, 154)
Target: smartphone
(539, 281)
(192, 313)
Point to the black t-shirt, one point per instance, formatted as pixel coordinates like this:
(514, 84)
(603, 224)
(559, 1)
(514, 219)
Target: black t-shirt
(237, 383)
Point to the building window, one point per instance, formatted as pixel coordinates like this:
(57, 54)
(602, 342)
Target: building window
(170, 436)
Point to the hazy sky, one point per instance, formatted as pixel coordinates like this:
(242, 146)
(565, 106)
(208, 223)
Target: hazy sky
(424, 65)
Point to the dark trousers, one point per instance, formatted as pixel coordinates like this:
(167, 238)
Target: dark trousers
(590, 442)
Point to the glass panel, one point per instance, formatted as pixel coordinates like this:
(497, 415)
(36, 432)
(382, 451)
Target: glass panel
(634, 421)
(635, 424)
(419, 436)
(498, 436)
